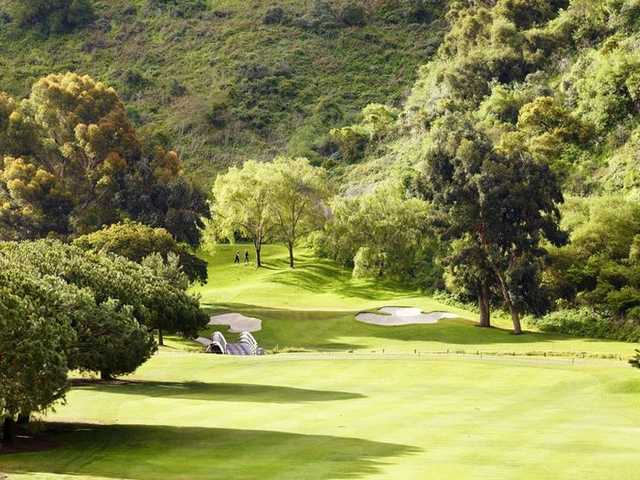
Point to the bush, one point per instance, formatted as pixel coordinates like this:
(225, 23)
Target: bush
(635, 361)
(179, 8)
(274, 15)
(369, 263)
(586, 322)
(353, 15)
(55, 16)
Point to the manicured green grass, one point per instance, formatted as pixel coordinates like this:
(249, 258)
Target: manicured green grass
(313, 307)
(341, 411)
(189, 416)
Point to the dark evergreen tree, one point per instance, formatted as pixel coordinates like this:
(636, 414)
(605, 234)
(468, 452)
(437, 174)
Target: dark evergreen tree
(501, 206)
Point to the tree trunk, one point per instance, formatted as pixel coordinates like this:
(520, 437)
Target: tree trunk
(106, 376)
(515, 315)
(291, 259)
(160, 337)
(515, 318)
(24, 418)
(485, 307)
(258, 258)
(8, 431)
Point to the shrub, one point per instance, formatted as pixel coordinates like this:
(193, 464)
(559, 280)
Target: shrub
(274, 15)
(586, 322)
(179, 8)
(369, 263)
(635, 361)
(55, 16)
(353, 15)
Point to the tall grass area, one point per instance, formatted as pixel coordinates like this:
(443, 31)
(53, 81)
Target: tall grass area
(313, 307)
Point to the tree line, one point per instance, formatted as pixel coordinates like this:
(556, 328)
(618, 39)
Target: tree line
(120, 221)
(545, 96)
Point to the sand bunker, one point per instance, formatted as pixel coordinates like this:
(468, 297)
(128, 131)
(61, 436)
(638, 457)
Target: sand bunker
(237, 322)
(394, 316)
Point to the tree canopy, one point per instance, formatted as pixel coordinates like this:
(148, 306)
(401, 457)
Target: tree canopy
(282, 200)
(298, 195)
(63, 308)
(136, 241)
(72, 162)
(501, 206)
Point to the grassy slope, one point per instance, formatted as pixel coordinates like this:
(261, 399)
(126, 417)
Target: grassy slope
(319, 416)
(313, 307)
(142, 51)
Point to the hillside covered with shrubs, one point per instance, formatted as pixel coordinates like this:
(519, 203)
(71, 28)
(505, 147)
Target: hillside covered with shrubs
(219, 81)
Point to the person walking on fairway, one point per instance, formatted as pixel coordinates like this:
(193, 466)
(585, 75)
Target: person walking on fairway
(246, 257)
(237, 257)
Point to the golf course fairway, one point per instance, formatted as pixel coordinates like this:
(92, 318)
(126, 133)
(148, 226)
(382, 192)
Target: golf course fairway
(347, 400)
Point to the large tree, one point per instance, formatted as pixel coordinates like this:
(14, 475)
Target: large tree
(71, 162)
(298, 194)
(241, 203)
(502, 204)
(381, 234)
(36, 338)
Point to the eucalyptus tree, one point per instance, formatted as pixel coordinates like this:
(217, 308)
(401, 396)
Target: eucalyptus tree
(71, 161)
(502, 204)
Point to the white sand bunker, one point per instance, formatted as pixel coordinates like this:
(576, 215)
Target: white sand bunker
(395, 316)
(238, 323)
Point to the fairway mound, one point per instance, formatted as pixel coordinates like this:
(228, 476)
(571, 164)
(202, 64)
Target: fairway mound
(237, 322)
(396, 316)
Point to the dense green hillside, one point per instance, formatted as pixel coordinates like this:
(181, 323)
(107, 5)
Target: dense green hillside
(559, 79)
(221, 81)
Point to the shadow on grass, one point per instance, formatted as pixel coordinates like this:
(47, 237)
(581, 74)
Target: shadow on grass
(321, 330)
(234, 392)
(314, 275)
(145, 452)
